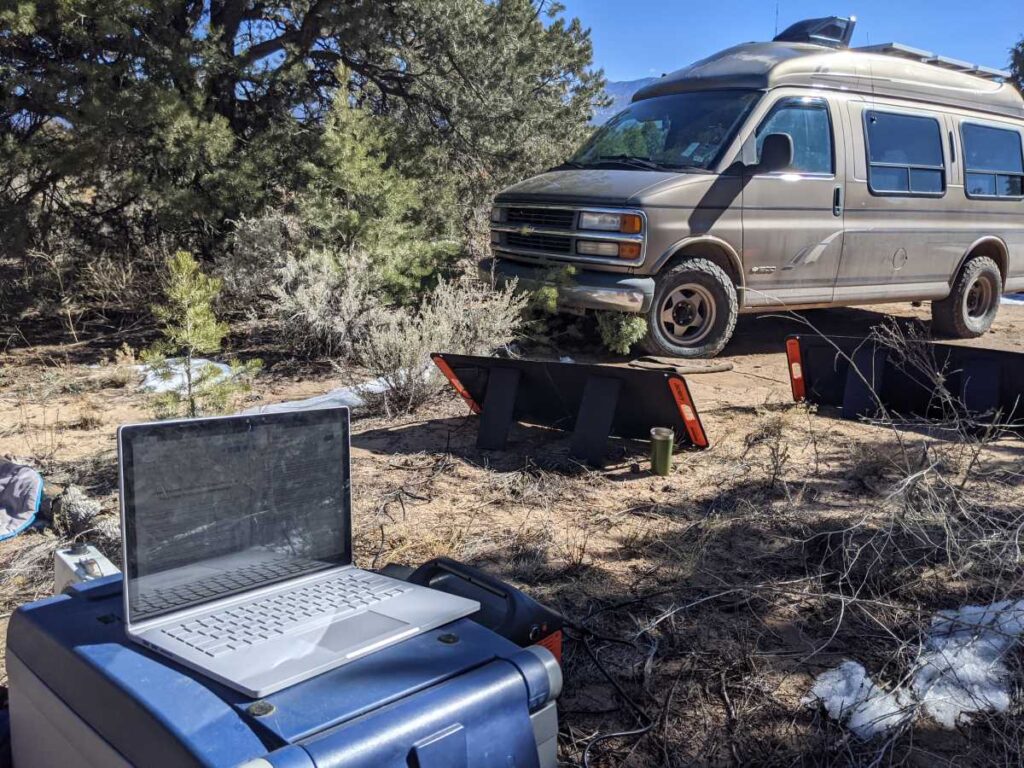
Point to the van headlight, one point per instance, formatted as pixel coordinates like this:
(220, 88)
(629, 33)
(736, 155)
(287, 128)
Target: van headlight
(627, 223)
(497, 215)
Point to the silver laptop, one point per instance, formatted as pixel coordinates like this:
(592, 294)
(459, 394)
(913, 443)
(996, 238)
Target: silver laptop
(238, 551)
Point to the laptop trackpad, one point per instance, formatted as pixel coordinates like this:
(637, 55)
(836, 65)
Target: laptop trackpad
(348, 634)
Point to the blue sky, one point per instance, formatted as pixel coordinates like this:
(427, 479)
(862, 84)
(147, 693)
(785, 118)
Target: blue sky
(644, 38)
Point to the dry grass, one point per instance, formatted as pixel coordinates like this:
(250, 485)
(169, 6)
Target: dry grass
(702, 604)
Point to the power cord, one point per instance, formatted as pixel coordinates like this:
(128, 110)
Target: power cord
(646, 721)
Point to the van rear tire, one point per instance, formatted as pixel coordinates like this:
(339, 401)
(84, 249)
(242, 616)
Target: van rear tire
(694, 311)
(972, 304)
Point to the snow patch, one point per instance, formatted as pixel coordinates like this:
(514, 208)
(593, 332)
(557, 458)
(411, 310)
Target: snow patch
(960, 672)
(173, 379)
(852, 698)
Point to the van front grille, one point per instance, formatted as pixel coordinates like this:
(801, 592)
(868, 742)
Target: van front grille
(551, 243)
(550, 232)
(550, 218)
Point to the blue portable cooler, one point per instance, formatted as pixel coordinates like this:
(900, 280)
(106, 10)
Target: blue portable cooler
(459, 696)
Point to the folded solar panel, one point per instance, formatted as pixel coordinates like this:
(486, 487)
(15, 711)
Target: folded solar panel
(927, 381)
(593, 401)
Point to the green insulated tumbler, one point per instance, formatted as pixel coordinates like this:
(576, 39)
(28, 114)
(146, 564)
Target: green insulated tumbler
(662, 441)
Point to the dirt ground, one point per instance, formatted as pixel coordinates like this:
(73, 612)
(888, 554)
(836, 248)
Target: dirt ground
(702, 604)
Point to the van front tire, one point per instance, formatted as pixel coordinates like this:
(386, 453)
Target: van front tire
(694, 311)
(972, 304)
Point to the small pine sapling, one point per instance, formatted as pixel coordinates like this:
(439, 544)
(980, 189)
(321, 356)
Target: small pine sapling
(191, 329)
(620, 331)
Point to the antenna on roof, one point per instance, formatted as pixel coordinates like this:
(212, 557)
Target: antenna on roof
(833, 31)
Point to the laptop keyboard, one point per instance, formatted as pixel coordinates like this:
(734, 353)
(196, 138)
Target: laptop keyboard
(169, 598)
(284, 612)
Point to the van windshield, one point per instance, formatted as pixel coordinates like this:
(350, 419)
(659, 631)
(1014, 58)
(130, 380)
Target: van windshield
(681, 130)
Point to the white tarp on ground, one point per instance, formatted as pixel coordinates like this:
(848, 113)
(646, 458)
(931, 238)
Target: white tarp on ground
(960, 671)
(348, 396)
(174, 379)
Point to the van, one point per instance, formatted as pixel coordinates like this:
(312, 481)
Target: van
(787, 175)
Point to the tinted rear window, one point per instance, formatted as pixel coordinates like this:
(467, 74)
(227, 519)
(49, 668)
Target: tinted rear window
(994, 161)
(904, 154)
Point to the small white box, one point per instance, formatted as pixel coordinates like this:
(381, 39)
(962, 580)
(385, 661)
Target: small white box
(78, 563)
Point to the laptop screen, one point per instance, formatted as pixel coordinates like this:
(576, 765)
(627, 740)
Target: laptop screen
(214, 507)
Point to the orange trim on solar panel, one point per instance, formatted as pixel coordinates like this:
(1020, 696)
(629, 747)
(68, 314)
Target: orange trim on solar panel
(686, 409)
(449, 374)
(796, 369)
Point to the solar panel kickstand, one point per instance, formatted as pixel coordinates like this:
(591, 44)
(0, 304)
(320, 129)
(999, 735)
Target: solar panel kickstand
(864, 381)
(496, 414)
(594, 420)
(979, 390)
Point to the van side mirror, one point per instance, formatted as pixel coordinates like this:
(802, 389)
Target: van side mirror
(776, 153)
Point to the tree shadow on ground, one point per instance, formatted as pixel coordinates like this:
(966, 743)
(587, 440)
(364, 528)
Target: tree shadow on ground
(718, 623)
(93, 340)
(732, 660)
(542, 447)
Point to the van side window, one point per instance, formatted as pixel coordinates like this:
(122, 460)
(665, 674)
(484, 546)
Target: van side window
(904, 154)
(993, 160)
(808, 125)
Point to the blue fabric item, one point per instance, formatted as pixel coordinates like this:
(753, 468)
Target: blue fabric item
(21, 494)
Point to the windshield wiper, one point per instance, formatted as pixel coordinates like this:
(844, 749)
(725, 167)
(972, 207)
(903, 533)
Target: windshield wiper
(653, 165)
(632, 161)
(639, 162)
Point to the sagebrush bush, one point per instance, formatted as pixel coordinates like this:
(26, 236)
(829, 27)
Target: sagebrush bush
(323, 304)
(257, 249)
(464, 317)
(353, 239)
(68, 278)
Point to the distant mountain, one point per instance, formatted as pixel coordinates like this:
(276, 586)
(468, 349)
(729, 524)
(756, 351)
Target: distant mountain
(621, 92)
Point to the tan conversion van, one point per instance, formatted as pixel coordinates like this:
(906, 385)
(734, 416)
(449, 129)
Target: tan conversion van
(793, 174)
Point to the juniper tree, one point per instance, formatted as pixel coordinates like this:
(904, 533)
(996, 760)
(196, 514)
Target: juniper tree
(1017, 65)
(126, 121)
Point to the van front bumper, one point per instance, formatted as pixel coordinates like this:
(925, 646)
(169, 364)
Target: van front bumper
(587, 289)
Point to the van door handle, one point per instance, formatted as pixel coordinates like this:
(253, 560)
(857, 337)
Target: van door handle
(837, 201)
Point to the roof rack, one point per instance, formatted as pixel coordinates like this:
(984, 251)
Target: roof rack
(927, 57)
